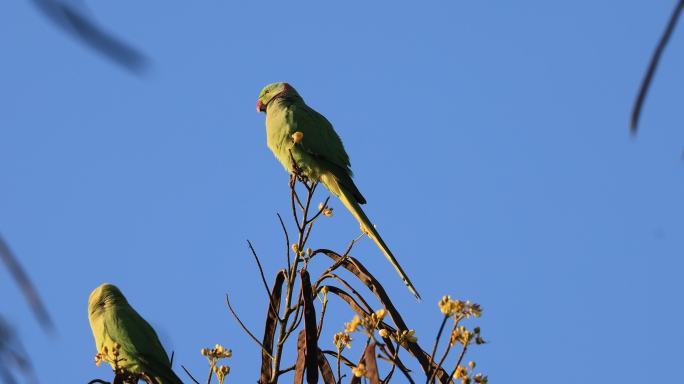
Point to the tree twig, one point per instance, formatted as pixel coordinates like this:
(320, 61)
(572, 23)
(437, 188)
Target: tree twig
(245, 328)
(434, 348)
(188, 373)
(287, 241)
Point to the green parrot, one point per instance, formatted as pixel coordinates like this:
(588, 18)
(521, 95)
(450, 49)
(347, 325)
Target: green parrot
(118, 327)
(318, 152)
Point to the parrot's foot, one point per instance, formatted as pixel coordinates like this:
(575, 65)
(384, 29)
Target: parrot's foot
(297, 174)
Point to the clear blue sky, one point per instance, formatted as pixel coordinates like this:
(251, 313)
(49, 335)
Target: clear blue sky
(489, 137)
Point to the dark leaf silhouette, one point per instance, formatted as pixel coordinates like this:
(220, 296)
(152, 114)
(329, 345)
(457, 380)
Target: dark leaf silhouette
(653, 65)
(270, 328)
(371, 364)
(311, 330)
(326, 370)
(71, 18)
(27, 288)
(13, 357)
(301, 358)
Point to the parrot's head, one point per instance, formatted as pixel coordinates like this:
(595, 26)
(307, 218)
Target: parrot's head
(272, 92)
(103, 296)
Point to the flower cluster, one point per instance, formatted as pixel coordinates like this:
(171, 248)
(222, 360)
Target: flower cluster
(372, 321)
(359, 370)
(341, 340)
(458, 308)
(464, 337)
(369, 323)
(466, 375)
(352, 325)
(406, 336)
(215, 354)
(327, 211)
(218, 352)
(221, 372)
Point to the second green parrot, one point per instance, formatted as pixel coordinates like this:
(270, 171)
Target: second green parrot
(318, 152)
(124, 339)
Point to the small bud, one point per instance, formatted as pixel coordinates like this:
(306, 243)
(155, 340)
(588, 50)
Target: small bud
(295, 247)
(383, 333)
(471, 364)
(297, 137)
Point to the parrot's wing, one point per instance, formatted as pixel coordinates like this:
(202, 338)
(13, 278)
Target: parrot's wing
(323, 144)
(320, 139)
(139, 340)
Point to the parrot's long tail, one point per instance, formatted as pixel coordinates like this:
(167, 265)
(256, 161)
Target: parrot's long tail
(349, 200)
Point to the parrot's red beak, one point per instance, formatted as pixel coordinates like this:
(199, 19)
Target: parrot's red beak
(260, 107)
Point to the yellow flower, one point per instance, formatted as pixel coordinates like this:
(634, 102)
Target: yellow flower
(444, 305)
(451, 307)
(460, 335)
(410, 336)
(383, 333)
(297, 137)
(460, 372)
(328, 212)
(341, 340)
(221, 372)
(380, 313)
(351, 326)
(475, 310)
(406, 336)
(295, 247)
(359, 370)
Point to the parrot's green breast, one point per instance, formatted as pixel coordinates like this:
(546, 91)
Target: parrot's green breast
(280, 125)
